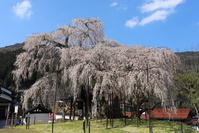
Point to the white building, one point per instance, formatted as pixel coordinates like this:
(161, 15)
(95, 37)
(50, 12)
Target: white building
(38, 114)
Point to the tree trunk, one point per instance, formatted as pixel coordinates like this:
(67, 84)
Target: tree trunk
(63, 113)
(112, 111)
(138, 110)
(125, 112)
(196, 109)
(71, 108)
(122, 115)
(149, 110)
(86, 105)
(132, 111)
(73, 112)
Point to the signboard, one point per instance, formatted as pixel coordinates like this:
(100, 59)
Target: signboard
(16, 109)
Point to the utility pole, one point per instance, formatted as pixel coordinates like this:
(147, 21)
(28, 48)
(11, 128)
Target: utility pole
(55, 93)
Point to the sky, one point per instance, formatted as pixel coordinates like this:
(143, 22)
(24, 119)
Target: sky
(157, 23)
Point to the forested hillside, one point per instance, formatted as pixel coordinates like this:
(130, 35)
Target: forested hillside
(7, 58)
(187, 81)
(189, 60)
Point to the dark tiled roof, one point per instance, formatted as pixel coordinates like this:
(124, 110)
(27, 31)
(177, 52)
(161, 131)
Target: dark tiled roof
(6, 88)
(38, 109)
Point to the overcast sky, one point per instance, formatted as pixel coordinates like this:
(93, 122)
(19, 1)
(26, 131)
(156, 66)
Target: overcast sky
(158, 23)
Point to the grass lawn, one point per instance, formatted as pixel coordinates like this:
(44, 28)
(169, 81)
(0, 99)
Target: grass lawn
(100, 127)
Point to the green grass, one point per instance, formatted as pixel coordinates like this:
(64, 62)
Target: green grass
(100, 127)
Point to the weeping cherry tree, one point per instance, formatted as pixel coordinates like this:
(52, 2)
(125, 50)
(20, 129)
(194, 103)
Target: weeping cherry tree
(79, 55)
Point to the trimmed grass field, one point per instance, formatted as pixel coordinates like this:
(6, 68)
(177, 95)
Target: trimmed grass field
(99, 126)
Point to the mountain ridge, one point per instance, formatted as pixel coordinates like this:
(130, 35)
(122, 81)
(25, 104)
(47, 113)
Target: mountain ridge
(11, 47)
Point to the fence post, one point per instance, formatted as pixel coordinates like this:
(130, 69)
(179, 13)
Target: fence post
(89, 125)
(150, 129)
(15, 121)
(12, 120)
(26, 120)
(84, 127)
(181, 127)
(106, 122)
(34, 119)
